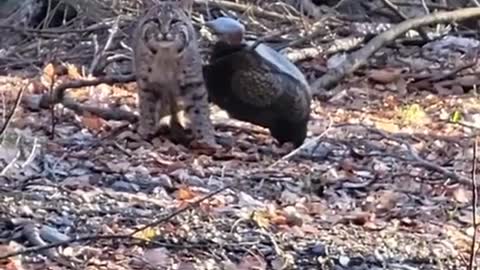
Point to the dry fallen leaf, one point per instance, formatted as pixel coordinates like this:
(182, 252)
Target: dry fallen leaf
(92, 122)
(185, 194)
(49, 73)
(73, 72)
(261, 218)
(387, 126)
(461, 195)
(359, 218)
(385, 76)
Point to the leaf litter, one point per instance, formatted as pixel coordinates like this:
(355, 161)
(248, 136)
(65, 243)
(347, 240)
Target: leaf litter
(358, 199)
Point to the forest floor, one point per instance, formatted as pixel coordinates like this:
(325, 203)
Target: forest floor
(383, 181)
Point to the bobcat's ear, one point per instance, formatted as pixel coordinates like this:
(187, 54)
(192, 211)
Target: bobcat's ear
(186, 5)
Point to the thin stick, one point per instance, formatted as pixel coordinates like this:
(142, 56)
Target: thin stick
(474, 204)
(315, 140)
(12, 112)
(183, 209)
(113, 31)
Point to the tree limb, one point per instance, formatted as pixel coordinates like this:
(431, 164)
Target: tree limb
(359, 58)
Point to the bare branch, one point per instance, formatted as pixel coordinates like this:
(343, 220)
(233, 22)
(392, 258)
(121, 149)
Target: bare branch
(360, 57)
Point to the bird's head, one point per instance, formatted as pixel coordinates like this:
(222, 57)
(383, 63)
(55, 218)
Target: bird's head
(229, 30)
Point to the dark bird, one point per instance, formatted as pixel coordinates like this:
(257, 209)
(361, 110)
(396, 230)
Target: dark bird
(256, 84)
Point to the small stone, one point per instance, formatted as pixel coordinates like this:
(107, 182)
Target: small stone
(125, 186)
(319, 249)
(344, 261)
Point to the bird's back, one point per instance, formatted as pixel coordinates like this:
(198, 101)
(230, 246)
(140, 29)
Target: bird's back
(251, 89)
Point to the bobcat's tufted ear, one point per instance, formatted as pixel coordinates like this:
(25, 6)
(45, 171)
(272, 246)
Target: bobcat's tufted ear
(187, 5)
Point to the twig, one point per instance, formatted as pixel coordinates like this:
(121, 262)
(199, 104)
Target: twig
(49, 32)
(304, 145)
(400, 14)
(452, 72)
(113, 31)
(183, 209)
(425, 7)
(12, 112)
(257, 11)
(359, 58)
(52, 106)
(271, 36)
(38, 249)
(419, 161)
(17, 156)
(32, 154)
(474, 204)
(107, 114)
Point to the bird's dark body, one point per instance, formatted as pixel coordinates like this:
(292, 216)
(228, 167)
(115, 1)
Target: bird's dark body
(253, 90)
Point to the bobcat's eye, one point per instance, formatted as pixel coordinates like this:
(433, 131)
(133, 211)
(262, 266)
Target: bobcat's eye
(174, 21)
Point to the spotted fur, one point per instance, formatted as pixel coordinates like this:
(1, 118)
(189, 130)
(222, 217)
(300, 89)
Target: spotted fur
(168, 67)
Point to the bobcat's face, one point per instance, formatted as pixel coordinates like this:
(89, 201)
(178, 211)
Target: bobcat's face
(167, 24)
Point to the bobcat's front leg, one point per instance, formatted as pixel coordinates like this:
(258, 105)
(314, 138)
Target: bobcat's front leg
(198, 112)
(148, 108)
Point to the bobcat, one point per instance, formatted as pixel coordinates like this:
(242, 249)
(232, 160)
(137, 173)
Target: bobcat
(168, 69)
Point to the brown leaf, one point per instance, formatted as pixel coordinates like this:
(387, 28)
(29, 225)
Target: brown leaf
(49, 72)
(36, 87)
(359, 218)
(385, 76)
(92, 122)
(292, 216)
(386, 200)
(72, 72)
(279, 220)
(387, 126)
(185, 194)
(261, 218)
(461, 195)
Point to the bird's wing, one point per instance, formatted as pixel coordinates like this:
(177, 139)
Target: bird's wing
(257, 85)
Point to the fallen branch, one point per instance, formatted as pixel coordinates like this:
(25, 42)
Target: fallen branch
(359, 58)
(35, 102)
(59, 92)
(58, 96)
(400, 14)
(106, 114)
